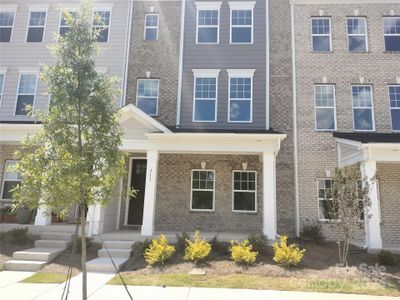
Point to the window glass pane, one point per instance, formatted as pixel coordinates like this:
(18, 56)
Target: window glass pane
(1, 84)
(363, 119)
(205, 110)
(325, 96)
(101, 18)
(152, 20)
(6, 19)
(392, 43)
(148, 105)
(37, 18)
(394, 94)
(151, 34)
(391, 25)
(356, 26)
(7, 189)
(357, 44)
(240, 88)
(325, 209)
(395, 119)
(325, 118)
(208, 17)
(241, 17)
(240, 110)
(27, 84)
(35, 35)
(5, 34)
(23, 101)
(321, 43)
(205, 99)
(362, 96)
(244, 201)
(207, 35)
(202, 200)
(241, 34)
(320, 26)
(103, 34)
(9, 172)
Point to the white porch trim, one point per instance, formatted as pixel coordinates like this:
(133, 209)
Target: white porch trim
(269, 195)
(43, 216)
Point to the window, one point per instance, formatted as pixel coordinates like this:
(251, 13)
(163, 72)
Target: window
(362, 107)
(325, 203)
(394, 95)
(36, 26)
(325, 111)
(64, 26)
(26, 93)
(240, 96)
(357, 34)
(207, 26)
(392, 33)
(202, 197)
(101, 23)
(10, 180)
(321, 34)
(151, 27)
(205, 100)
(241, 25)
(2, 79)
(147, 96)
(6, 26)
(244, 191)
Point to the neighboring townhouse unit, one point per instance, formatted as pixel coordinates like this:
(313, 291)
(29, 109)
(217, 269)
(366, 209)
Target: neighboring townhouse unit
(347, 79)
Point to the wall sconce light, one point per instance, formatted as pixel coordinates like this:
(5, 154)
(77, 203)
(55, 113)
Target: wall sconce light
(244, 165)
(328, 173)
(203, 165)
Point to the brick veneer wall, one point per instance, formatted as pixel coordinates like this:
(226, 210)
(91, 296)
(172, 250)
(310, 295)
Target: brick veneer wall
(174, 188)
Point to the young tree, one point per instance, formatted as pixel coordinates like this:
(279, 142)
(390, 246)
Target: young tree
(350, 206)
(74, 159)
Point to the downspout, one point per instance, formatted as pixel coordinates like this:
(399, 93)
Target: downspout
(295, 153)
(267, 75)
(127, 52)
(181, 41)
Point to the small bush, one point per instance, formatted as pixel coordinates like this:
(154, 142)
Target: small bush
(219, 247)
(181, 242)
(19, 236)
(259, 242)
(77, 244)
(141, 246)
(387, 258)
(197, 250)
(285, 255)
(312, 233)
(159, 251)
(242, 253)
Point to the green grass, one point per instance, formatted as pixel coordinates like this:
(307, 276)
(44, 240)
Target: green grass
(241, 281)
(46, 278)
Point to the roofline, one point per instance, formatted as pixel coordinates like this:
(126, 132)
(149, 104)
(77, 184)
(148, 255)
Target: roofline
(216, 136)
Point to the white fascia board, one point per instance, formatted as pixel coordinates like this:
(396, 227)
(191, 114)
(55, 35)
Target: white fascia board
(38, 7)
(237, 5)
(17, 132)
(241, 72)
(8, 7)
(206, 72)
(208, 5)
(216, 136)
(343, 2)
(351, 143)
(103, 6)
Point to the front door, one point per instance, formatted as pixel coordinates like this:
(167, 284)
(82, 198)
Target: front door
(138, 182)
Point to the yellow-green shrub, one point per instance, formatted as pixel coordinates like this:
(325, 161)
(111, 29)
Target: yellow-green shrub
(196, 250)
(159, 251)
(285, 255)
(242, 253)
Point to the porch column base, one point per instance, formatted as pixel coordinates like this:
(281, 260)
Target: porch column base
(43, 216)
(269, 195)
(150, 193)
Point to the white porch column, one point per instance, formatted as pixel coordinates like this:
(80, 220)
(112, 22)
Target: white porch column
(372, 224)
(150, 193)
(269, 195)
(95, 219)
(43, 216)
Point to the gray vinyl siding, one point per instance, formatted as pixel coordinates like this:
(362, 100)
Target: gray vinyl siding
(225, 56)
(19, 55)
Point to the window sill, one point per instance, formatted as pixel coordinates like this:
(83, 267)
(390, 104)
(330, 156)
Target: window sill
(325, 130)
(201, 211)
(244, 212)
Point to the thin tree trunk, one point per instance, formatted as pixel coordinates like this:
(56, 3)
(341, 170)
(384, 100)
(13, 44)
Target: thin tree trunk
(83, 250)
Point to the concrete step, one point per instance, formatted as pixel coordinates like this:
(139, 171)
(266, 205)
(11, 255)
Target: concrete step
(24, 265)
(104, 264)
(37, 254)
(52, 244)
(59, 236)
(67, 228)
(124, 253)
(118, 244)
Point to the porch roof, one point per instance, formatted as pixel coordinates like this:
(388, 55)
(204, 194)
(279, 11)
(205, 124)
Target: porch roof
(369, 137)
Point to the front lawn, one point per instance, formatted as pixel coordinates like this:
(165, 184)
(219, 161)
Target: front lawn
(46, 278)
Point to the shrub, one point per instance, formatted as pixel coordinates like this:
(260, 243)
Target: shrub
(19, 236)
(387, 258)
(77, 244)
(258, 242)
(242, 253)
(141, 246)
(219, 247)
(197, 250)
(159, 251)
(181, 242)
(285, 255)
(312, 233)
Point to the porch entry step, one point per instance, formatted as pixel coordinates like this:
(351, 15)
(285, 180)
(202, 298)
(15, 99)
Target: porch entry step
(118, 244)
(24, 265)
(123, 253)
(52, 244)
(38, 254)
(104, 264)
(58, 236)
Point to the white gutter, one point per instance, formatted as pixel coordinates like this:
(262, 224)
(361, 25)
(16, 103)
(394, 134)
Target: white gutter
(267, 109)
(215, 136)
(181, 41)
(127, 52)
(294, 86)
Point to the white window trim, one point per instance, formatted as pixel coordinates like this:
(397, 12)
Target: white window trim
(208, 190)
(158, 94)
(320, 199)
(372, 108)
(44, 26)
(334, 107)
(4, 177)
(206, 72)
(9, 9)
(207, 26)
(151, 27)
(241, 5)
(237, 73)
(390, 107)
(4, 73)
(103, 26)
(388, 34)
(208, 5)
(194, 101)
(244, 191)
(17, 94)
(330, 35)
(357, 34)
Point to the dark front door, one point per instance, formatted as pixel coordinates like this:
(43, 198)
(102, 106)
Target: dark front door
(138, 182)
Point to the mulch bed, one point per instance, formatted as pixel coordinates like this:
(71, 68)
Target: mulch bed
(7, 247)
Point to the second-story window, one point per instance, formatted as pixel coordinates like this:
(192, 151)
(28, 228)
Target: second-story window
(205, 99)
(101, 23)
(6, 26)
(394, 96)
(151, 27)
(36, 26)
(357, 34)
(241, 22)
(321, 34)
(64, 26)
(207, 26)
(11, 179)
(240, 107)
(325, 111)
(147, 96)
(363, 117)
(26, 93)
(392, 33)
